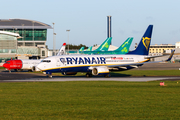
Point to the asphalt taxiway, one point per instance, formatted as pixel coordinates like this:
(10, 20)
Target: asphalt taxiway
(34, 77)
(5, 76)
(62, 79)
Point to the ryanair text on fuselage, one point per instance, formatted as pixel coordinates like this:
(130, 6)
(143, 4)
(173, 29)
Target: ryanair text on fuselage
(93, 60)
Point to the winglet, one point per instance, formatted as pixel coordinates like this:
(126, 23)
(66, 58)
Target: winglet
(171, 55)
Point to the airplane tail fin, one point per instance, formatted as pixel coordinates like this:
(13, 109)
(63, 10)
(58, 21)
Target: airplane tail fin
(105, 45)
(89, 48)
(124, 48)
(81, 49)
(62, 50)
(144, 44)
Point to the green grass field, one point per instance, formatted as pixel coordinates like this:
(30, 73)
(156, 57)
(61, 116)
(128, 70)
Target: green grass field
(147, 73)
(89, 100)
(2, 68)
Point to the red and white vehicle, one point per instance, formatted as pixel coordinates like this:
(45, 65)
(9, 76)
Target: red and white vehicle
(21, 64)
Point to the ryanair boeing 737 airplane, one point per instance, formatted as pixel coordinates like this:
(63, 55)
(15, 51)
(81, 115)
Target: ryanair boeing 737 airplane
(99, 64)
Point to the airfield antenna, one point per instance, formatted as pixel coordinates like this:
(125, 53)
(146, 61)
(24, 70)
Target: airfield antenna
(68, 40)
(53, 40)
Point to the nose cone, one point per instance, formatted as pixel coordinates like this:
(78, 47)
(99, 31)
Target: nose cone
(5, 65)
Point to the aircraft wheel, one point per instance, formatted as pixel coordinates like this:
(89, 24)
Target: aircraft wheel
(16, 70)
(107, 75)
(30, 71)
(49, 75)
(88, 75)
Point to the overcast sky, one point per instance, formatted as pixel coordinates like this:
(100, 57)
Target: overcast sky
(87, 20)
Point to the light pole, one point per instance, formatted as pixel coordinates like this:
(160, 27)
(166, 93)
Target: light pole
(68, 39)
(33, 29)
(54, 43)
(23, 32)
(53, 40)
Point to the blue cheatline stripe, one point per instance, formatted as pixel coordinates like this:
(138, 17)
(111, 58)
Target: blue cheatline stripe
(89, 65)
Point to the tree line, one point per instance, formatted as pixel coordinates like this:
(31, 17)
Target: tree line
(76, 46)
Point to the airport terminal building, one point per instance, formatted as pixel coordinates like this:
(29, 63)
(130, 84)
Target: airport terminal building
(32, 38)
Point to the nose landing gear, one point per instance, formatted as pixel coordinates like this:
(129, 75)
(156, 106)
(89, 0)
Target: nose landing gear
(49, 75)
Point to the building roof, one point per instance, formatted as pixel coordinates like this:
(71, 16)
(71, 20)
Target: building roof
(22, 24)
(10, 33)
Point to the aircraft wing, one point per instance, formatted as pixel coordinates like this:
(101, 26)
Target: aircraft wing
(148, 57)
(126, 65)
(141, 63)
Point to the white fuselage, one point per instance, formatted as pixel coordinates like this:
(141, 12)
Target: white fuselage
(80, 63)
(28, 64)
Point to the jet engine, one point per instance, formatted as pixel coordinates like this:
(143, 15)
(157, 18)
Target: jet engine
(102, 70)
(33, 68)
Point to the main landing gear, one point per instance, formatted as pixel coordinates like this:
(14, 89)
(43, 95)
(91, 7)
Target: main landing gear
(88, 74)
(107, 75)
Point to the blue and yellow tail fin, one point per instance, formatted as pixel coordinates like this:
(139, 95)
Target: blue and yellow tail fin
(105, 45)
(81, 49)
(144, 44)
(89, 48)
(124, 48)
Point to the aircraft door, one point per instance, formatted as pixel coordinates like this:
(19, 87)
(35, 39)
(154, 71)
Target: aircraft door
(57, 62)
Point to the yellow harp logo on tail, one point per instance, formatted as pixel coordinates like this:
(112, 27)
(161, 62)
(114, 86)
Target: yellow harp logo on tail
(146, 42)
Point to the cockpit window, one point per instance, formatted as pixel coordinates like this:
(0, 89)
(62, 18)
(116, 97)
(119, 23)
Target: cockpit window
(46, 61)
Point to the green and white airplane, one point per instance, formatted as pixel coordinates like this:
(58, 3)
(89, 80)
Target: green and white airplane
(103, 47)
(89, 48)
(81, 49)
(123, 49)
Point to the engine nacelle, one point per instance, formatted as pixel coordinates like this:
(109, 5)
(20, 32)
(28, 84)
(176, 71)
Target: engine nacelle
(33, 68)
(102, 70)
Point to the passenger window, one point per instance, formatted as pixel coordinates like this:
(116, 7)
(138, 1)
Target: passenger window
(48, 61)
